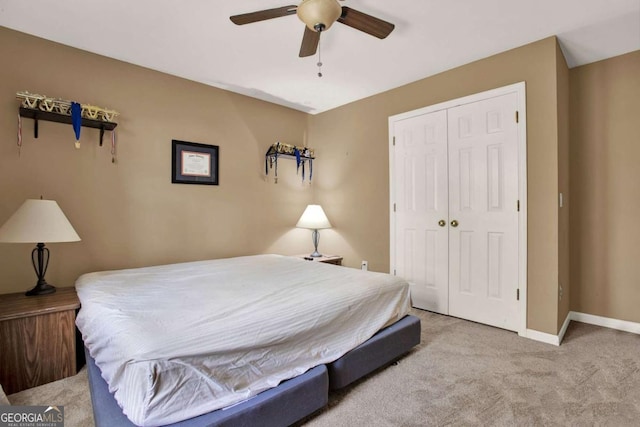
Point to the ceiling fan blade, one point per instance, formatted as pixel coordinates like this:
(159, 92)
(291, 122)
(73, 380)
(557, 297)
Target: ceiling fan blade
(310, 42)
(263, 15)
(366, 23)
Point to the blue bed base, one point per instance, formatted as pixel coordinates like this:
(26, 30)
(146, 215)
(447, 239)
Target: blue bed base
(282, 405)
(290, 401)
(383, 348)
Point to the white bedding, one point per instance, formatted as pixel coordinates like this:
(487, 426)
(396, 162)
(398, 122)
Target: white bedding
(177, 341)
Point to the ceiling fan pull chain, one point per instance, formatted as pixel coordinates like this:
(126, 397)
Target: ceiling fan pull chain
(319, 60)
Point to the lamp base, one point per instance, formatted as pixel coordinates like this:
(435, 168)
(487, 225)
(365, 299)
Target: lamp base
(315, 236)
(41, 289)
(40, 261)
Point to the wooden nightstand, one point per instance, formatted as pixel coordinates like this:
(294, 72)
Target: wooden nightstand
(327, 259)
(37, 338)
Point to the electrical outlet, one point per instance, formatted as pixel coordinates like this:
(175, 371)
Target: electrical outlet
(560, 292)
(364, 265)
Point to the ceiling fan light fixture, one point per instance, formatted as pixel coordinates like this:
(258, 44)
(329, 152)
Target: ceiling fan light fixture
(319, 14)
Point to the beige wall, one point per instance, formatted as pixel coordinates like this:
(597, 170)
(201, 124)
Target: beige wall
(129, 214)
(564, 280)
(605, 188)
(354, 185)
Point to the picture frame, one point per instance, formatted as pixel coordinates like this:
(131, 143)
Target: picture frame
(194, 163)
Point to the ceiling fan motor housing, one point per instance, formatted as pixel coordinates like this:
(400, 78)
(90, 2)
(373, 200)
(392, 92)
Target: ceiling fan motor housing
(319, 15)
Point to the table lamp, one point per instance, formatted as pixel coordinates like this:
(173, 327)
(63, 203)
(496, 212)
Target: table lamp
(314, 218)
(38, 221)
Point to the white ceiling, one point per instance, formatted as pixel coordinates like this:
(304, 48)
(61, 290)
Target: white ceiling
(196, 40)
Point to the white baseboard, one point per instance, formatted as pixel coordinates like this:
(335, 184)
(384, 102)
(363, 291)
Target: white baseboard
(607, 322)
(543, 337)
(565, 325)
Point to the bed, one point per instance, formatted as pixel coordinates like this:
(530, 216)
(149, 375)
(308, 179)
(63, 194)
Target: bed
(186, 341)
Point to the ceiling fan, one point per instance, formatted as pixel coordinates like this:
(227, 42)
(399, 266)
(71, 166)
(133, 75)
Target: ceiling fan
(319, 15)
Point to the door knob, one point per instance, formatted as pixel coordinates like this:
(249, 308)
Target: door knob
(454, 223)
(442, 223)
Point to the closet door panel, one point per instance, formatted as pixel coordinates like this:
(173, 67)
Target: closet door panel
(420, 164)
(483, 194)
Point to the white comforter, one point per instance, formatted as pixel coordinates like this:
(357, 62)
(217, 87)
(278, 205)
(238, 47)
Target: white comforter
(181, 340)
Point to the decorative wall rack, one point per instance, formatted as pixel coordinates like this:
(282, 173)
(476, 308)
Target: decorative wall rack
(302, 155)
(40, 107)
(61, 118)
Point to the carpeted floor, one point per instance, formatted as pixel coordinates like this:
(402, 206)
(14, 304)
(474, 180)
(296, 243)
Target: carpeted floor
(462, 374)
(72, 393)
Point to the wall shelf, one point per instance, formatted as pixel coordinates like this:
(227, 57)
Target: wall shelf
(36, 115)
(278, 151)
(289, 156)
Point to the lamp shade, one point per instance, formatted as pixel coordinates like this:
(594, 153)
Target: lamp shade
(38, 221)
(314, 218)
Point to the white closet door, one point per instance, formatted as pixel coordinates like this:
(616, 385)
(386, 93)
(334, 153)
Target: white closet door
(483, 195)
(420, 156)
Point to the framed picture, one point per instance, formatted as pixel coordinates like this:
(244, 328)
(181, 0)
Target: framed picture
(193, 163)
